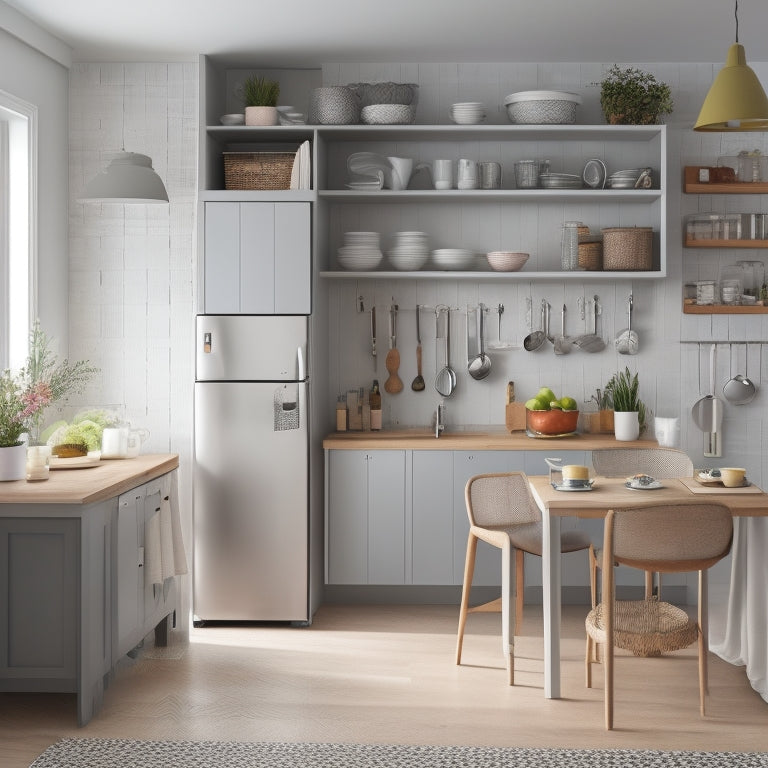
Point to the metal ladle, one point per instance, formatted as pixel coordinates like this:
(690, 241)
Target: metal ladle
(562, 343)
(536, 338)
(627, 342)
(480, 365)
(739, 389)
(445, 381)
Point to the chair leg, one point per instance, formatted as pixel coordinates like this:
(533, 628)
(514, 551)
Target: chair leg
(702, 672)
(469, 569)
(648, 585)
(593, 575)
(519, 588)
(608, 670)
(588, 661)
(507, 610)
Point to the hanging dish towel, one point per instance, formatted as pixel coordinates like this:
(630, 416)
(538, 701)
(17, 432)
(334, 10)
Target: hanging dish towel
(163, 543)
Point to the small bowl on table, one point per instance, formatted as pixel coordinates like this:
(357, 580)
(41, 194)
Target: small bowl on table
(733, 477)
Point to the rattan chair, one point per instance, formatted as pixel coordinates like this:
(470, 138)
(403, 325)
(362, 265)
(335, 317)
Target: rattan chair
(668, 539)
(502, 512)
(661, 463)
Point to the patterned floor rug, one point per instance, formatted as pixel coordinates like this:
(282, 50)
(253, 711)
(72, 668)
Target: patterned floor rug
(124, 753)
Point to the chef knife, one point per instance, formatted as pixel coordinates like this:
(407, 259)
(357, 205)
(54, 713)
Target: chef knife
(373, 336)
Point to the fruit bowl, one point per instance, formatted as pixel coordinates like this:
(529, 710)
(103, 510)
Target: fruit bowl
(554, 422)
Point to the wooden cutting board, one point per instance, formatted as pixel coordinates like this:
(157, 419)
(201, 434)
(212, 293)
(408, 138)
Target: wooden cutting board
(695, 486)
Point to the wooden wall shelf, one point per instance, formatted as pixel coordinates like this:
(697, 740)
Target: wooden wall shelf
(692, 186)
(689, 243)
(724, 309)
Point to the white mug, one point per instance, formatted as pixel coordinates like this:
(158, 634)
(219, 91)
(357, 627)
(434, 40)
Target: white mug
(135, 438)
(114, 442)
(442, 174)
(467, 174)
(400, 173)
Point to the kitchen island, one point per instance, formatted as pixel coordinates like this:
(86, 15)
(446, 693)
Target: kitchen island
(72, 583)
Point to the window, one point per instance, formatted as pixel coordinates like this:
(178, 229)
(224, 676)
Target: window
(18, 121)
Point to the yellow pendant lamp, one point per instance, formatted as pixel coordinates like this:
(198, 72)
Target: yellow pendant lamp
(736, 101)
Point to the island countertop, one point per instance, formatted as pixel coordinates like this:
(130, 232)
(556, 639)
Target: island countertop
(108, 479)
(474, 440)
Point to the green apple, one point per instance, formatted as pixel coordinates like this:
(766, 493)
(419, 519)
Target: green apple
(568, 404)
(546, 394)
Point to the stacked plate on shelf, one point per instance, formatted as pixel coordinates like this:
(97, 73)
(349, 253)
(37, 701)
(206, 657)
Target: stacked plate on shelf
(361, 251)
(560, 181)
(626, 179)
(451, 259)
(409, 252)
(467, 112)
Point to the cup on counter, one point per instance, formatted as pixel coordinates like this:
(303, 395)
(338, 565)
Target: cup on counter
(114, 443)
(732, 477)
(467, 174)
(38, 462)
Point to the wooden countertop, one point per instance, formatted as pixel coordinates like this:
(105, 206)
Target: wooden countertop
(92, 484)
(492, 440)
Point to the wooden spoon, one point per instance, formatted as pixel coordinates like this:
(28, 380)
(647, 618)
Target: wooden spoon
(417, 385)
(393, 384)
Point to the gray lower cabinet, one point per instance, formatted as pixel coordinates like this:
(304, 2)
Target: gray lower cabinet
(399, 517)
(140, 605)
(257, 258)
(366, 517)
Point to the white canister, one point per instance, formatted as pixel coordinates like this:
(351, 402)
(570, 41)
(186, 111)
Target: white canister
(667, 431)
(114, 443)
(626, 425)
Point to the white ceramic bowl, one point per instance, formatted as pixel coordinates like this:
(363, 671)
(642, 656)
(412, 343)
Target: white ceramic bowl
(407, 262)
(506, 261)
(235, 119)
(359, 259)
(452, 259)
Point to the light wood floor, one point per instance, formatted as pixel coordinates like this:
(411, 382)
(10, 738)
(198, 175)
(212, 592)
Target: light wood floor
(386, 674)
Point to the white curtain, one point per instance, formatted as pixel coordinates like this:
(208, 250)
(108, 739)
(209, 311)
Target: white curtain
(743, 639)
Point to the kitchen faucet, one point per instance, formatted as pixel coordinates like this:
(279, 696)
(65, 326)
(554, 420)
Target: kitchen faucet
(439, 419)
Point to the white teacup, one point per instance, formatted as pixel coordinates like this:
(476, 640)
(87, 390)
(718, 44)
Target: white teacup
(442, 174)
(467, 174)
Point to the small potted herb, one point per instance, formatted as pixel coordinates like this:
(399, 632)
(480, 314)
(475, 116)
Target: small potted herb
(260, 97)
(633, 97)
(629, 411)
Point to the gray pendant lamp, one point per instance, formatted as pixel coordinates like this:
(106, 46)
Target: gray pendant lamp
(129, 178)
(736, 101)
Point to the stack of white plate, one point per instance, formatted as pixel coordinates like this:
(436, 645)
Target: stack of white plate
(361, 251)
(452, 259)
(410, 251)
(560, 181)
(467, 112)
(625, 179)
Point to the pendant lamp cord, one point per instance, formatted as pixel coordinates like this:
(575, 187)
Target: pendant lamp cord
(736, 15)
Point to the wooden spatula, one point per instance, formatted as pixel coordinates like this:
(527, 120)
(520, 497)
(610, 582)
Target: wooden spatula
(393, 384)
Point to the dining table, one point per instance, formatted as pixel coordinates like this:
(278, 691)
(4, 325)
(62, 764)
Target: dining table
(605, 494)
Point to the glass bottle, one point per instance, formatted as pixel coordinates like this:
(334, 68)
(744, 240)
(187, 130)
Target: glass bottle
(569, 245)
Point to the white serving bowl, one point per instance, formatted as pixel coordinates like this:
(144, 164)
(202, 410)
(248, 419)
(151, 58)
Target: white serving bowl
(359, 259)
(234, 119)
(506, 261)
(452, 258)
(407, 261)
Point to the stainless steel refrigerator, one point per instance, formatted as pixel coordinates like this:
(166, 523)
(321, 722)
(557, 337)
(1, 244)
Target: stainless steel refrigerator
(251, 469)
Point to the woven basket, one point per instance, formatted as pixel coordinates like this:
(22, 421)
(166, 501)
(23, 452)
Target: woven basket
(258, 170)
(590, 252)
(627, 248)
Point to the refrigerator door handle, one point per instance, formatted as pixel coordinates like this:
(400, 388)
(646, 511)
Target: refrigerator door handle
(300, 370)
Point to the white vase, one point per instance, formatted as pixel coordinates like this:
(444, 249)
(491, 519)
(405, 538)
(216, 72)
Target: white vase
(13, 462)
(626, 425)
(261, 116)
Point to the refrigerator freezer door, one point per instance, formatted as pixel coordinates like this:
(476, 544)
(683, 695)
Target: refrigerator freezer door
(251, 502)
(251, 347)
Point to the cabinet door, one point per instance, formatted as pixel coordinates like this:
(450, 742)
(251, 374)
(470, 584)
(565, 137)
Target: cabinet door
(129, 570)
(347, 518)
(432, 544)
(257, 258)
(386, 517)
(222, 258)
(293, 262)
(39, 604)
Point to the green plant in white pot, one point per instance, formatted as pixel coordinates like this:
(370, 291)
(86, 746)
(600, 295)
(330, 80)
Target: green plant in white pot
(260, 96)
(629, 411)
(633, 97)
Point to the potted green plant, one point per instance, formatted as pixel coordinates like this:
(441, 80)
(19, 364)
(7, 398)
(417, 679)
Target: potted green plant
(260, 96)
(632, 97)
(629, 411)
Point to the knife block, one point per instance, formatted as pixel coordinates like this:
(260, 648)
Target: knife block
(601, 422)
(515, 417)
